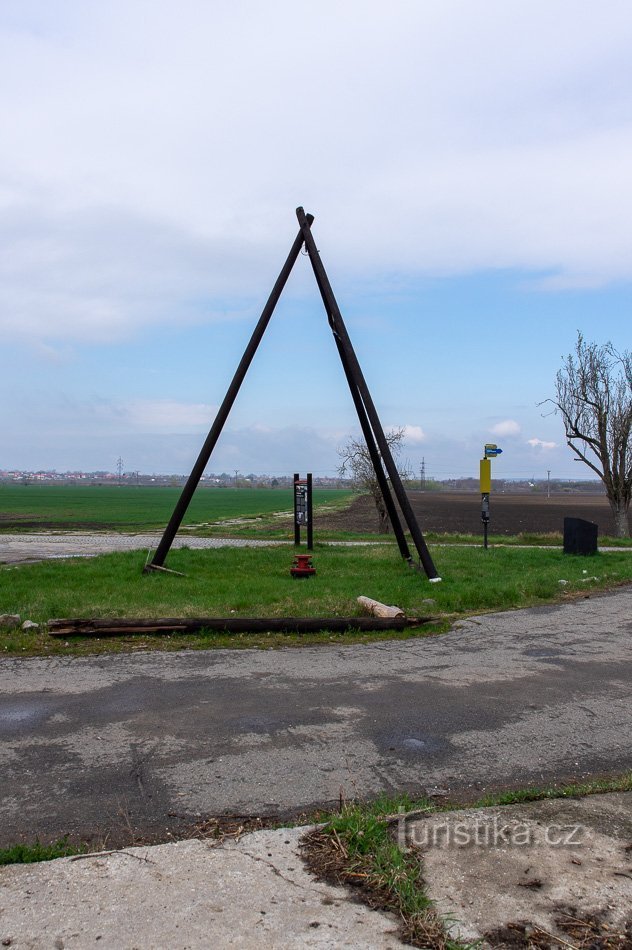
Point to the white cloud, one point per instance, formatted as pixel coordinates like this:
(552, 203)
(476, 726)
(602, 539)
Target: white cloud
(506, 428)
(97, 275)
(146, 173)
(541, 445)
(113, 418)
(413, 434)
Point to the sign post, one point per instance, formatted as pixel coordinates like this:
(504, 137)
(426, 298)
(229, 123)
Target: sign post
(490, 451)
(303, 509)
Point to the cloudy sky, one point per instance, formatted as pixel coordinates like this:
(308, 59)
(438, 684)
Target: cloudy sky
(468, 164)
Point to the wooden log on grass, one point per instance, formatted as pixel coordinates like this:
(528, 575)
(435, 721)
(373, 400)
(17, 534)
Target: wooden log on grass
(377, 609)
(94, 627)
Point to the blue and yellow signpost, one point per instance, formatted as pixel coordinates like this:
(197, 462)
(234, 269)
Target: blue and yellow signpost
(490, 451)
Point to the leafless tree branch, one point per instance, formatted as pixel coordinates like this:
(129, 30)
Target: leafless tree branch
(593, 395)
(356, 463)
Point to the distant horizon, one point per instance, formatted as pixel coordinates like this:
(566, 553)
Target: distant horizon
(129, 474)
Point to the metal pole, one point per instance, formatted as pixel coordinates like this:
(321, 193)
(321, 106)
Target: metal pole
(310, 530)
(486, 489)
(341, 331)
(297, 527)
(485, 515)
(211, 440)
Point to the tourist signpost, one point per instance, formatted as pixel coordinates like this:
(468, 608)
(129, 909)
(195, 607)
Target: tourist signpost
(303, 509)
(489, 452)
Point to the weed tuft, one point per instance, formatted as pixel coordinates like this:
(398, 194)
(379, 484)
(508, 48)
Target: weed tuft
(31, 853)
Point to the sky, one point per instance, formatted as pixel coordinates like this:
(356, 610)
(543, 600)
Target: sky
(468, 166)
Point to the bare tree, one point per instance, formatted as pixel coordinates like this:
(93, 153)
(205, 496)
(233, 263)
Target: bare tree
(593, 394)
(356, 463)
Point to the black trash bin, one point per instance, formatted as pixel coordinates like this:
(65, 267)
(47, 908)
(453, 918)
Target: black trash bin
(580, 537)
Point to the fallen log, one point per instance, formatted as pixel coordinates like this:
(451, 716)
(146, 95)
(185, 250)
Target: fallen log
(378, 609)
(94, 627)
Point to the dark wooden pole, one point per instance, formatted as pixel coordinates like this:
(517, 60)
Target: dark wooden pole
(211, 440)
(310, 509)
(340, 331)
(126, 627)
(369, 439)
(376, 461)
(297, 527)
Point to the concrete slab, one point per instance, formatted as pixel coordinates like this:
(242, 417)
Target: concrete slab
(531, 864)
(251, 893)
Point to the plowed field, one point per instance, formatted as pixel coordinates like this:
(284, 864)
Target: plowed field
(455, 512)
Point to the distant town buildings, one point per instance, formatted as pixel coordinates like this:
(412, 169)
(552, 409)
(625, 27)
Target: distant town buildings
(236, 480)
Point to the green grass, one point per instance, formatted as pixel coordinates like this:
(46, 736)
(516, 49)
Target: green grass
(125, 507)
(356, 847)
(525, 539)
(621, 783)
(30, 853)
(256, 582)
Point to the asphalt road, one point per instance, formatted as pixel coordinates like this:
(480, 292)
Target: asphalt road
(146, 742)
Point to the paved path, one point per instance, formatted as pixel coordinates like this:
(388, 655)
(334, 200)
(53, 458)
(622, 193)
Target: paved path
(17, 548)
(92, 744)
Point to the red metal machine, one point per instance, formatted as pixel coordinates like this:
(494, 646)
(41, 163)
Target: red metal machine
(302, 566)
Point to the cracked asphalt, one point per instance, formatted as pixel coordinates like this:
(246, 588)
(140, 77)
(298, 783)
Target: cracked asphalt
(96, 746)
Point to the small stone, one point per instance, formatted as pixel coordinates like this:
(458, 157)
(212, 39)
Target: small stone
(563, 583)
(30, 625)
(429, 600)
(9, 620)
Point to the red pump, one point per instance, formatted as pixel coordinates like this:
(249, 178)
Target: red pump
(302, 566)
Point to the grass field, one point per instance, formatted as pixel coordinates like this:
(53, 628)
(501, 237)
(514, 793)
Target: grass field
(100, 507)
(256, 582)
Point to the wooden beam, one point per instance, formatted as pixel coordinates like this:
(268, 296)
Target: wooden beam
(94, 627)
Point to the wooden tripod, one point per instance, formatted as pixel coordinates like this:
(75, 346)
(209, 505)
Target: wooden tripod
(372, 430)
